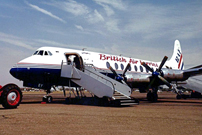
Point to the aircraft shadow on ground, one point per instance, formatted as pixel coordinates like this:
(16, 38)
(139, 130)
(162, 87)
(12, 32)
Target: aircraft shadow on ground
(90, 101)
(172, 101)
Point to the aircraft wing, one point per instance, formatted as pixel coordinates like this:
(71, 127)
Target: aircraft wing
(193, 71)
(194, 83)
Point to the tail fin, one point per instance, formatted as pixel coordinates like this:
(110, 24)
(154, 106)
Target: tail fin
(176, 61)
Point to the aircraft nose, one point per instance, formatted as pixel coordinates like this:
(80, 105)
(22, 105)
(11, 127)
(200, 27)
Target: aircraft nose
(13, 72)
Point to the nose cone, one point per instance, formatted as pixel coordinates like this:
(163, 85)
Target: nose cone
(14, 72)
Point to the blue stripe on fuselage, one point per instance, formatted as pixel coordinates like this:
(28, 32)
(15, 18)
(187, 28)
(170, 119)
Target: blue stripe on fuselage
(182, 66)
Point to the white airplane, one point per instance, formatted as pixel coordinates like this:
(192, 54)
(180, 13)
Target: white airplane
(104, 75)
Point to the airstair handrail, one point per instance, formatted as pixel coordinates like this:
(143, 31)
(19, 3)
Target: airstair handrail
(98, 74)
(90, 72)
(91, 65)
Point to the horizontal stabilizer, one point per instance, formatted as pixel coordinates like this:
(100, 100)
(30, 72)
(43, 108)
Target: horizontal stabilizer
(193, 71)
(196, 67)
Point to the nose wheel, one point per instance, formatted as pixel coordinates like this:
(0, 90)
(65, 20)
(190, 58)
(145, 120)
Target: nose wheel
(48, 99)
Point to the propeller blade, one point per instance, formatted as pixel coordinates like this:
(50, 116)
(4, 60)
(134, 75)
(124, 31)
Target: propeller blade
(113, 71)
(116, 75)
(162, 63)
(127, 67)
(165, 81)
(151, 83)
(147, 67)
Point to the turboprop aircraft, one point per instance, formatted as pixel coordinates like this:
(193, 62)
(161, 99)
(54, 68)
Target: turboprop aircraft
(105, 75)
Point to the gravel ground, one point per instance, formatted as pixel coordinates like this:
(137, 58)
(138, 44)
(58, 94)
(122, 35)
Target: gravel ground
(168, 116)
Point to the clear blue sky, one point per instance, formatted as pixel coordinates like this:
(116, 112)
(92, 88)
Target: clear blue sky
(136, 28)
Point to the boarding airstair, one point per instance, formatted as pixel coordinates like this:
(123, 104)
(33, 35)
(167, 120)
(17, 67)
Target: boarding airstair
(99, 84)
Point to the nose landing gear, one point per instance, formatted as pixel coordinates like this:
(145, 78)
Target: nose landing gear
(47, 98)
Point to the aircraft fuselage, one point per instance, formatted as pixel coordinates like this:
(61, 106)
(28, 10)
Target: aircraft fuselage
(43, 68)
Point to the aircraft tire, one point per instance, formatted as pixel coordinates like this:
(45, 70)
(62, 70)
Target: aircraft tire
(152, 96)
(149, 96)
(178, 97)
(48, 99)
(184, 96)
(195, 94)
(11, 96)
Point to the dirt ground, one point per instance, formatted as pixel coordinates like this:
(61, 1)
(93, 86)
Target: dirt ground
(168, 116)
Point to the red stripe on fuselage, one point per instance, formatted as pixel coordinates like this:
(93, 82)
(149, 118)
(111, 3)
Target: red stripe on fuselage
(180, 62)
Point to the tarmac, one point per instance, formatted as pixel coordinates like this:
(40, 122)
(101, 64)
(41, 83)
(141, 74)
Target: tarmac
(168, 116)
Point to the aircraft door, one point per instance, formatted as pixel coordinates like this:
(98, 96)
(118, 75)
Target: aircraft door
(75, 59)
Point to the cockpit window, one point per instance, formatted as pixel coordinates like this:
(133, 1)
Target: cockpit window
(36, 53)
(50, 53)
(40, 52)
(46, 53)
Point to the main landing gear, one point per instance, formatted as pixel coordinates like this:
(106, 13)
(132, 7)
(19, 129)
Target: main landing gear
(194, 94)
(152, 96)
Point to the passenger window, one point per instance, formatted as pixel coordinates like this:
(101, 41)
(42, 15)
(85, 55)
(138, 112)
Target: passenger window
(122, 66)
(107, 64)
(129, 68)
(141, 68)
(135, 68)
(147, 70)
(116, 66)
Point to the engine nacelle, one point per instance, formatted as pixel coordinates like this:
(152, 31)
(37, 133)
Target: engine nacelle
(174, 75)
(143, 78)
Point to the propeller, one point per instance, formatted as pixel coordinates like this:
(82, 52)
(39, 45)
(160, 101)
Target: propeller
(127, 67)
(113, 71)
(118, 77)
(147, 67)
(157, 74)
(162, 63)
